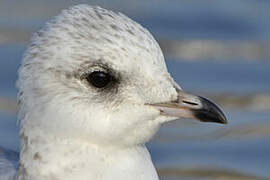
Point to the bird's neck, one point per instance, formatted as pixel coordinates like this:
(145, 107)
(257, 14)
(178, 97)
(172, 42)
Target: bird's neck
(74, 159)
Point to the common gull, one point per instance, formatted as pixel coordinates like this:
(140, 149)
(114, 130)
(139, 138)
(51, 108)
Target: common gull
(93, 88)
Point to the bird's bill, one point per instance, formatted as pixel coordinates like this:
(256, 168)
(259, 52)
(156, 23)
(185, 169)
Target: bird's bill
(192, 106)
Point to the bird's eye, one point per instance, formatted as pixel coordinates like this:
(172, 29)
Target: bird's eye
(99, 79)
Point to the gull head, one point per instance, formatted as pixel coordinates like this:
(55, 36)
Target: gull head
(95, 75)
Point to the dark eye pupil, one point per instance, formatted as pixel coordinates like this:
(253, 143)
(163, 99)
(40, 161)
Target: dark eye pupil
(99, 79)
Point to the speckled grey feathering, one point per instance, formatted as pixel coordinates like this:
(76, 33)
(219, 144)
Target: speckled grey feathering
(67, 123)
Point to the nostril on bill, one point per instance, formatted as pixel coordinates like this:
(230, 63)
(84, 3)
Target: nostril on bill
(190, 103)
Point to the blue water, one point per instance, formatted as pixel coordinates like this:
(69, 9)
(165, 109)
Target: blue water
(241, 146)
(10, 61)
(247, 156)
(182, 145)
(226, 77)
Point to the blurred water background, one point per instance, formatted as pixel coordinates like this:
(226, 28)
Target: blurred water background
(219, 49)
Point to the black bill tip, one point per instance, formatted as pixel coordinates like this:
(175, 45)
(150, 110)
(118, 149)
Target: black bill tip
(209, 112)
